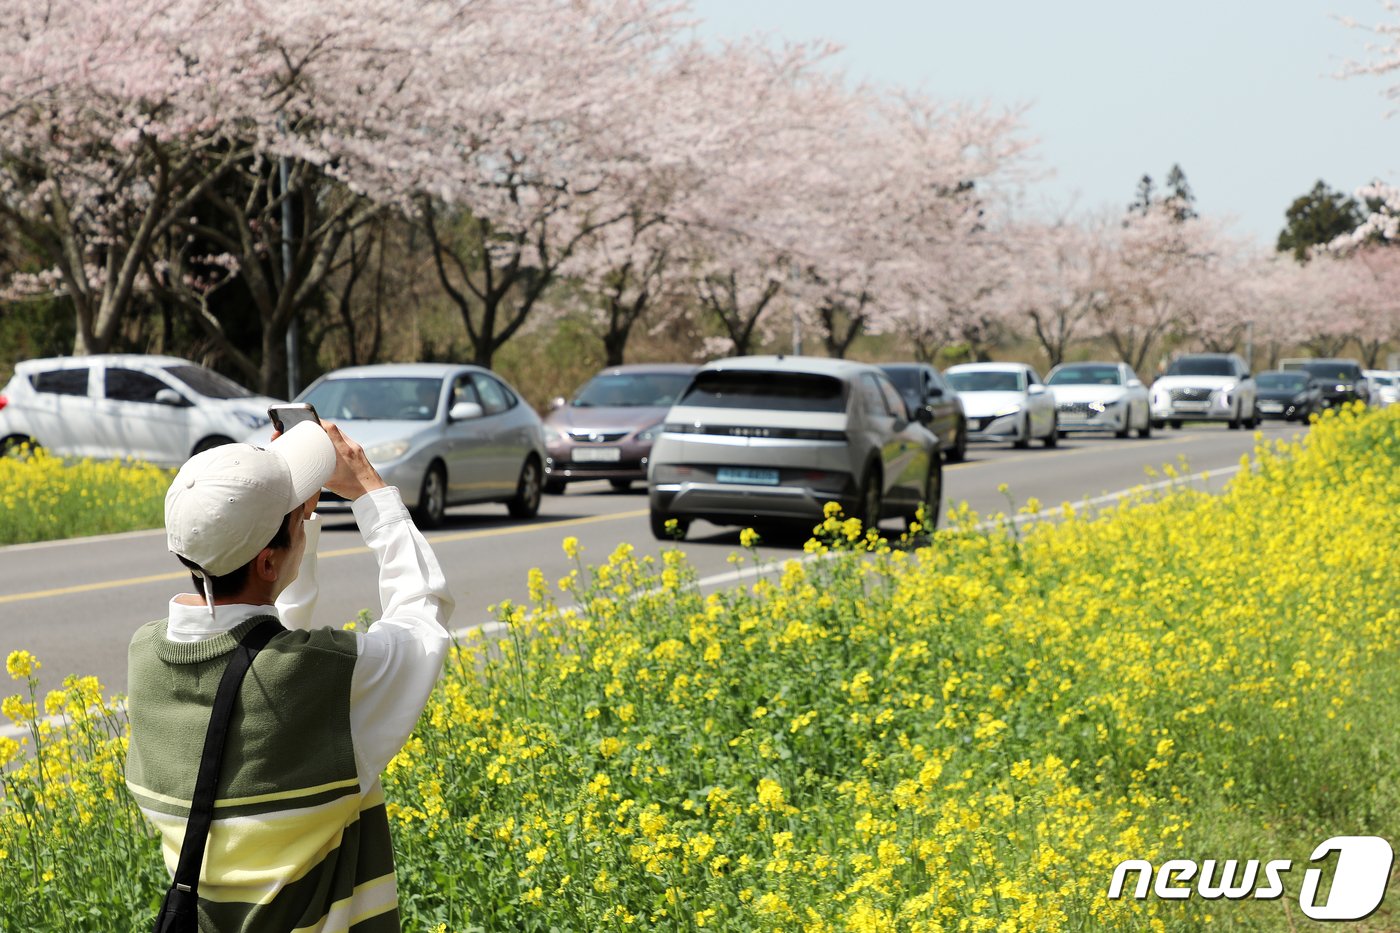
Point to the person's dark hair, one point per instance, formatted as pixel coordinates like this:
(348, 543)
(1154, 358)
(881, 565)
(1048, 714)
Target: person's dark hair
(233, 581)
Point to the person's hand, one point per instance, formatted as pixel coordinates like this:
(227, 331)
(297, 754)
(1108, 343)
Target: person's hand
(354, 475)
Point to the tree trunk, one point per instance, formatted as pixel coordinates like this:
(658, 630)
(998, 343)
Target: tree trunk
(615, 346)
(272, 375)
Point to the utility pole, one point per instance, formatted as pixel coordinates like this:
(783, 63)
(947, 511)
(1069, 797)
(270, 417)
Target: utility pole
(293, 338)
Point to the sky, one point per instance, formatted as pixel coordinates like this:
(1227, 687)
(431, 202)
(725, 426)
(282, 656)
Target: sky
(1242, 94)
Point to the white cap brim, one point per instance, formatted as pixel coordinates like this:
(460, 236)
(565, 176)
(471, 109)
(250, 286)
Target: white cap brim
(310, 457)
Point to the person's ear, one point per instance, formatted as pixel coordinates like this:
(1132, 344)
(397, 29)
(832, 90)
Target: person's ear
(264, 566)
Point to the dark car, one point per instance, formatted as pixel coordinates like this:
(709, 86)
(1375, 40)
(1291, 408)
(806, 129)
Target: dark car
(1292, 395)
(1342, 381)
(923, 387)
(606, 430)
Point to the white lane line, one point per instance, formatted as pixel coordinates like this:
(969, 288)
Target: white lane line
(88, 539)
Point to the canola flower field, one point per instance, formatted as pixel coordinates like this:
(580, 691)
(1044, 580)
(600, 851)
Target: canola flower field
(967, 735)
(43, 497)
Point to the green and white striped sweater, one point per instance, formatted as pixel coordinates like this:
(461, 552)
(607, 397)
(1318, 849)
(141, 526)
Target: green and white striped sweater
(294, 844)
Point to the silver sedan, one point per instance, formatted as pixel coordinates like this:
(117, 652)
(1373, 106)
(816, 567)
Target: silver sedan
(444, 434)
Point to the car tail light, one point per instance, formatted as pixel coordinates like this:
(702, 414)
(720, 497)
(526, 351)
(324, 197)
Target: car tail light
(3, 402)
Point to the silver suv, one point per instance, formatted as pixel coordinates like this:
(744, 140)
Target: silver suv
(770, 440)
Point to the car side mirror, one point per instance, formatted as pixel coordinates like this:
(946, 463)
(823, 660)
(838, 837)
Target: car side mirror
(923, 416)
(169, 397)
(465, 411)
(557, 402)
(1036, 389)
(1135, 383)
(935, 392)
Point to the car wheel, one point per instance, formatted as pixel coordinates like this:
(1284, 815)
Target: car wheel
(209, 443)
(1145, 431)
(1025, 441)
(1159, 425)
(958, 452)
(1053, 438)
(1254, 419)
(868, 509)
(432, 498)
(1127, 429)
(555, 487)
(1236, 420)
(17, 445)
(660, 532)
(932, 499)
(1176, 424)
(526, 502)
(621, 485)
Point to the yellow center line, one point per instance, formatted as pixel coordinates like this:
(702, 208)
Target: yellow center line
(322, 555)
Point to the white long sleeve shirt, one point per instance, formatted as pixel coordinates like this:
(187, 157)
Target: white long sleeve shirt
(400, 657)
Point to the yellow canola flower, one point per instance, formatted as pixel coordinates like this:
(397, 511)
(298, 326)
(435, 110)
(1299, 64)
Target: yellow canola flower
(21, 664)
(967, 735)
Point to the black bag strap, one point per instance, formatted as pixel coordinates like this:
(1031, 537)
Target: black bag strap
(202, 807)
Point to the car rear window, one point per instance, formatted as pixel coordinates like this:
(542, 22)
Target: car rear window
(777, 391)
(61, 381)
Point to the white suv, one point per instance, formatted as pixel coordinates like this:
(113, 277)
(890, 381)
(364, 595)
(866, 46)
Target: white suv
(1205, 387)
(160, 409)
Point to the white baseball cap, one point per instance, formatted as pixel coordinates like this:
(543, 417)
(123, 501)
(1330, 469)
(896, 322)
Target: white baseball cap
(227, 503)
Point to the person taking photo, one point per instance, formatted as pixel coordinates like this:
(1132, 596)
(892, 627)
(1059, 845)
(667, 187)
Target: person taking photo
(299, 837)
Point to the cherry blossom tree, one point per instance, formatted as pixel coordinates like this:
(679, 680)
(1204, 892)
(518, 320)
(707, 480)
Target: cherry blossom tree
(1370, 296)
(927, 259)
(1058, 282)
(749, 232)
(110, 136)
(704, 108)
(141, 154)
(1160, 280)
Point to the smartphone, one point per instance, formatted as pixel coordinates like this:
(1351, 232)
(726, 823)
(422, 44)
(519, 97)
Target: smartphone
(285, 417)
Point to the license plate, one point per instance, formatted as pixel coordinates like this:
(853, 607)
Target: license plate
(1271, 406)
(746, 475)
(597, 454)
(1192, 406)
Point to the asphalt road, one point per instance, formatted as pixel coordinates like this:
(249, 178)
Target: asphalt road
(75, 603)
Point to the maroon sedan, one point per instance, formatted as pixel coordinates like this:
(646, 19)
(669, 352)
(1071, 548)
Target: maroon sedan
(606, 430)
